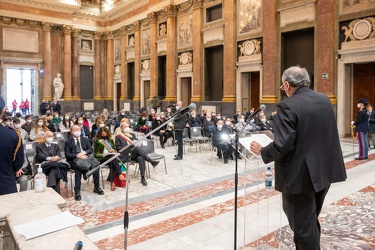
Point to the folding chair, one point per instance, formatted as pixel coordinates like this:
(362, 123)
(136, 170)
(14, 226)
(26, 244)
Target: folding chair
(149, 148)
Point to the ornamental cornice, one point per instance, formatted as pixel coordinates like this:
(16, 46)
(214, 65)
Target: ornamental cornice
(153, 17)
(47, 26)
(67, 29)
(197, 4)
(171, 10)
(54, 5)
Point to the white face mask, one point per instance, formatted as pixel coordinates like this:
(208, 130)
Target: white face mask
(193, 116)
(29, 121)
(358, 105)
(227, 123)
(40, 124)
(218, 117)
(17, 126)
(219, 127)
(242, 120)
(213, 114)
(80, 122)
(56, 116)
(263, 120)
(152, 112)
(49, 140)
(66, 117)
(7, 123)
(252, 120)
(102, 125)
(77, 134)
(122, 113)
(157, 118)
(143, 118)
(209, 119)
(177, 107)
(126, 130)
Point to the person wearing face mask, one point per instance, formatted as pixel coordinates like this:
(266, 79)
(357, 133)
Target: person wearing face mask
(180, 123)
(17, 127)
(85, 121)
(307, 155)
(28, 125)
(118, 130)
(85, 131)
(56, 119)
(142, 126)
(264, 124)
(241, 123)
(49, 156)
(7, 122)
(99, 123)
(220, 136)
(119, 117)
(66, 123)
(249, 113)
(78, 150)
(162, 133)
(208, 126)
(203, 116)
(228, 123)
(151, 116)
(361, 127)
(104, 147)
(193, 120)
(38, 131)
(371, 123)
(132, 152)
(235, 116)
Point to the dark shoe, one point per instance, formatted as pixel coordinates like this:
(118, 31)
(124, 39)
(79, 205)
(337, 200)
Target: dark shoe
(98, 191)
(143, 181)
(225, 161)
(84, 176)
(366, 158)
(78, 197)
(154, 163)
(220, 157)
(162, 146)
(231, 157)
(177, 158)
(358, 158)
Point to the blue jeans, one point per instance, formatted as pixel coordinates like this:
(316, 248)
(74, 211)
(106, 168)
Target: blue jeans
(363, 144)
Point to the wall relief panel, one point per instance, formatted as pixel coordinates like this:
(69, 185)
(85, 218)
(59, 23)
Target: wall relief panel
(20, 40)
(249, 16)
(351, 6)
(185, 31)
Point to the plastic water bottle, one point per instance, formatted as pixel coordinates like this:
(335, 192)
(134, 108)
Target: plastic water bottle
(40, 181)
(268, 181)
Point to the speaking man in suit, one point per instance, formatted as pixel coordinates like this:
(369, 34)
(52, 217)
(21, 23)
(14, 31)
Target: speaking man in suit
(11, 156)
(79, 149)
(307, 155)
(48, 154)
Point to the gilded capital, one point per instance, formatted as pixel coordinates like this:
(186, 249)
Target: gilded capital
(47, 26)
(67, 29)
(137, 25)
(153, 17)
(75, 32)
(197, 4)
(98, 35)
(171, 10)
(109, 35)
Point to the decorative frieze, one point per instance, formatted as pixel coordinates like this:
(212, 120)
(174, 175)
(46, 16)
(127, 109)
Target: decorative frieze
(297, 14)
(250, 47)
(360, 29)
(185, 58)
(354, 6)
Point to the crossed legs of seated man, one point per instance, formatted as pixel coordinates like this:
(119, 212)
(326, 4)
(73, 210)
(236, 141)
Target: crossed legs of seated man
(140, 156)
(77, 181)
(225, 149)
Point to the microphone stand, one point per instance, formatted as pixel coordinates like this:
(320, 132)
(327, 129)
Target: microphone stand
(126, 213)
(236, 141)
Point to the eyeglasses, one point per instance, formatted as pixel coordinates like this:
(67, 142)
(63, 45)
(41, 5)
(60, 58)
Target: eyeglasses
(282, 87)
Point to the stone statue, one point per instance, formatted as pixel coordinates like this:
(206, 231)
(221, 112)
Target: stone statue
(59, 87)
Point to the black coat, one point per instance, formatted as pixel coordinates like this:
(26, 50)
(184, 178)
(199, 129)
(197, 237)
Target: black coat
(361, 122)
(372, 122)
(71, 148)
(306, 150)
(8, 169)
(120, 143)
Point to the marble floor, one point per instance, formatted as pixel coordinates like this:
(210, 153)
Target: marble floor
(192, 206)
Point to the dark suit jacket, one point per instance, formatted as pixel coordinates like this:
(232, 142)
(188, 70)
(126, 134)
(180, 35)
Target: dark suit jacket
(372, 122)
(121, 143)
(71, 149)
(306, 149)
(42, 152)
(361, 122)
(8, 169)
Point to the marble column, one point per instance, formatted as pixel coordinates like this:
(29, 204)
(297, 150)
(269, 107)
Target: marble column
(153, 55)
(198, 81)
(97, 69)
(325, 39)
(270, 59)
(230, 50)
(124, 70)
(67, 62)
(110, 66)
(47, 61)
(137, 60)
(171, 85)
(75, 70)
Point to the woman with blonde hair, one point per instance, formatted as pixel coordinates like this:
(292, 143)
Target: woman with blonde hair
(38, 130)
(99, 123)
(118, 130)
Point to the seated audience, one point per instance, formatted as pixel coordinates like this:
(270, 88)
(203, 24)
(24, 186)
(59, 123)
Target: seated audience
(133, 152)
(235, 116)
(66, 124)
(151, 116)
(49, 124)
(208, 126)
(49, 156)
(161, 132)
(38, 131)
(79, 153)
(99, 123)
(241, 123)
(7, 121)
(85, 131)
(118, 130)
(193, 120)
(249, 113)
(220, 137)
(85, 121)
(19, 116)
(104, 146)
(228, 124)
(202, 117)
(142, 125)
(56, 119)
(23, 174)
(119, 117)
(264, 124)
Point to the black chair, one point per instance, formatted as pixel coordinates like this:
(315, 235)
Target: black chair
(149, 148)
(196, 133)
(187, 139)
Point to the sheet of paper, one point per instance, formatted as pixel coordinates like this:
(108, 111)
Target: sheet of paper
(262, 139)
(47, 225)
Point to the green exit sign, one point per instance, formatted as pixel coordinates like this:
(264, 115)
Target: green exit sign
(325, 76)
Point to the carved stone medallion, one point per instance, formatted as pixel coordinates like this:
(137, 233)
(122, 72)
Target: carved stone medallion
(362, 29)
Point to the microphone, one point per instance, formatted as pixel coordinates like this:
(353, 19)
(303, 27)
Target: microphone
(261, 108)
(186, 109)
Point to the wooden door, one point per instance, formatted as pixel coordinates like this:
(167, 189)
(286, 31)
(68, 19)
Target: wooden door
(363, 84)
(255, 90)
(185, 91)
